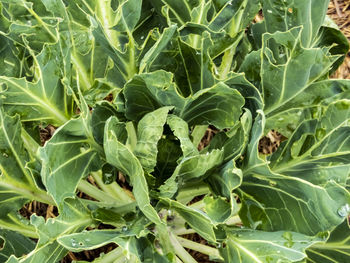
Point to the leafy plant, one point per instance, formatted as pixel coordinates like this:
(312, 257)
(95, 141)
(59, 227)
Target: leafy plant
(131, 87)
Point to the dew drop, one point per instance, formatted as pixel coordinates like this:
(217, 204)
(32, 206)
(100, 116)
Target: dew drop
(142, 37)
(124, 228)
(344, 210)
(5, 155)
(74, 242)
(269, 11)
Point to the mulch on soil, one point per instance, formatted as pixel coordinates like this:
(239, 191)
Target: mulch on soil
(339, 11)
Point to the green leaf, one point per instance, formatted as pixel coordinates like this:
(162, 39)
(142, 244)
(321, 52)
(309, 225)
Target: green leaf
(235, 16)
(152, 53)
(45, 99)
(285, 79)
(197, 219)
(245, 245)
(234, 141)
(197, 64)
(218, 209)
(222, 104)
(74, 217)
(308, 173)
(281, 16)
(149, 131)
(149, 91)
(17, 183)
(10, 59)
(94, 239)
(293, 112)
(191, 168)
(181, 131)
(336, 249)
(12, 243)
(68, 157)
(219, 106)
(28, 23)
(102, 111)
(124, 160)
(224, 180)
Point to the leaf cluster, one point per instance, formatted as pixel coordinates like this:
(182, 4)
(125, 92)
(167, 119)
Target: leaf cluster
(131, 87)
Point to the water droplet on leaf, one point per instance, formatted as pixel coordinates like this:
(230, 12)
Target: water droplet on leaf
(344, 210)
(74, 242)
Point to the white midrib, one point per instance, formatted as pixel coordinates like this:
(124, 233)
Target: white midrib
(47, 106)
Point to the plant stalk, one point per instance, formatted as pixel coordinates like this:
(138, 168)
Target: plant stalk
(199, 247)
(28, 231)
(95, 193)
(112, 189)
(180, 251)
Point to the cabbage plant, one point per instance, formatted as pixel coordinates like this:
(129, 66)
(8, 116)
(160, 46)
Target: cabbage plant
(131, 87)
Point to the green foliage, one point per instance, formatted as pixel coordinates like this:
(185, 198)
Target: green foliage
(131, 87)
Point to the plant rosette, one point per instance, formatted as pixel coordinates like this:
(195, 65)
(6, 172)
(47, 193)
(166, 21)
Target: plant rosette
(130, 88)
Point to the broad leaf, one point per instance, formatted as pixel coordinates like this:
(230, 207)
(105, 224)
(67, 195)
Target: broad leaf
(12, 243)
(244, 245)
(122, 158)
(336, 249)
(149, 131)
(17, 183)
(195, 218)
(74, 218)
(311, 180)
(68, 157)
(222, 104)
(45, 98)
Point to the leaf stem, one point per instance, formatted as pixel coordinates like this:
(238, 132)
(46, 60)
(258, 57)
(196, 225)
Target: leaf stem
(112, 189)
(111, 257)
(180, 251)
(26, 230)
(210, 251)
(29, 143)
(94, 192)
(31, 194)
